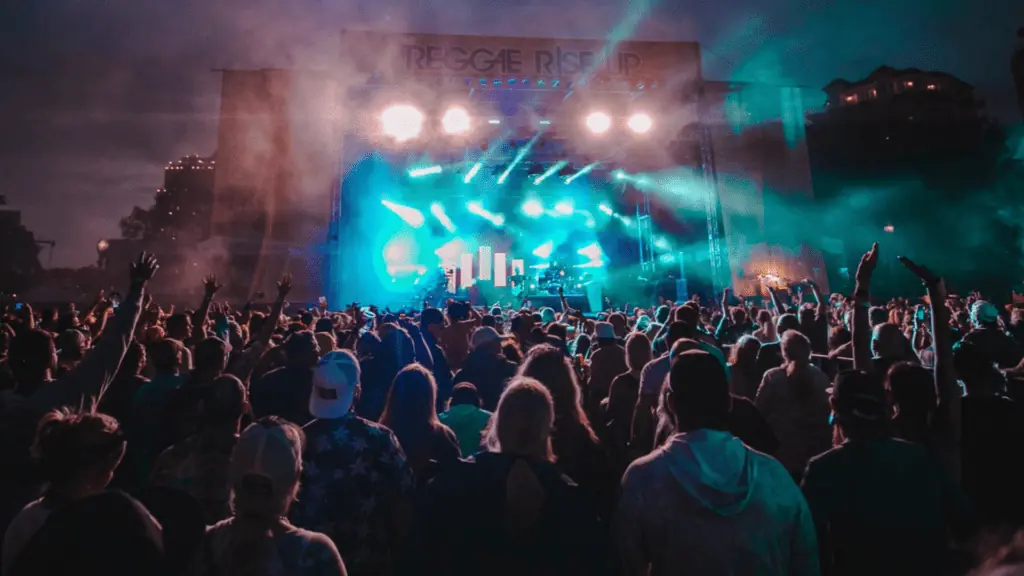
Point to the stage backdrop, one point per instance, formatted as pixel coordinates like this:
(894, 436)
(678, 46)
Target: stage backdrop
(280, 151)
(398, 57)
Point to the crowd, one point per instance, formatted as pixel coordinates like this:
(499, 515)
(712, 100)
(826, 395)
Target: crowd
(830, 436)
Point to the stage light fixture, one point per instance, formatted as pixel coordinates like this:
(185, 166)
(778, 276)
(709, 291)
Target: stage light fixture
(456, 121)
(403, 122)
(533, 208)
(598, 122)
(564, 208)
(640, 123)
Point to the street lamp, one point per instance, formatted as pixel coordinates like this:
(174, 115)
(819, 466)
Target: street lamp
(889, 228)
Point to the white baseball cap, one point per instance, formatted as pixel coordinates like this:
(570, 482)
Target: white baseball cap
(335, 379)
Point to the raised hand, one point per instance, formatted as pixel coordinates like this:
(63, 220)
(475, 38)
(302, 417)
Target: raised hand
(932, 281)
(211, 285)
(810, 283)
(926, 275)
(867, 265)
(143, 269)
(284, 286)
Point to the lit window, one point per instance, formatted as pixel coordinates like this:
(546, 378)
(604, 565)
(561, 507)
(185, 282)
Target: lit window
(874, 93)
(852, 98)
(932, 87)
(909, 83)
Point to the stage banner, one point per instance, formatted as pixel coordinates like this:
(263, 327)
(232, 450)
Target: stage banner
(397, 56)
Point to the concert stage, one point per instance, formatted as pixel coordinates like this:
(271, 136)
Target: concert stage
(501, 168)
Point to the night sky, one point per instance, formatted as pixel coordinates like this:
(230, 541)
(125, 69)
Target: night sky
(97, 96)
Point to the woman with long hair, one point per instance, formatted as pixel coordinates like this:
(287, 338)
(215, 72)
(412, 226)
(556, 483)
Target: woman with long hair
(793, 398)
(743, 367)
(411, 413)
(766, 332)
(510, 510)
(577, 451)
(266, 465)
(622, 397)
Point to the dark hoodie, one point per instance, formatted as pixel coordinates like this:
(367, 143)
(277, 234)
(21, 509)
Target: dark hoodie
(489, 373)
(502, 514)
(716, 507)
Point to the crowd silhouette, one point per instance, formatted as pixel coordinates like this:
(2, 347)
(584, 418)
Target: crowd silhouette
(838, 435)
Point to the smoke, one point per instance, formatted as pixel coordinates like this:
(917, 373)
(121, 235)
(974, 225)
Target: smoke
(99, 96)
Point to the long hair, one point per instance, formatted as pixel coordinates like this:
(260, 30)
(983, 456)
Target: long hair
(260, 501)
(638, 351)
(743, 359)
(523, 421)
(549, 366)
(411, 411)
(796, 350)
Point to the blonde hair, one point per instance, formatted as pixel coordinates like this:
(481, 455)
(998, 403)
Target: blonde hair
(523, 421)
(267, 463)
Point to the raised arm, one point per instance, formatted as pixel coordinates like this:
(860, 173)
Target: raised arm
(861, 312)
(948, 415)
(821, 315)
(726, 321)
(92, 375)
(777, 309)
(199, 317)
(245, 366)
(284, 286)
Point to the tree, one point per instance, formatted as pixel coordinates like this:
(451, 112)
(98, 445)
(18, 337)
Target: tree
(19, 259)
(135, 226)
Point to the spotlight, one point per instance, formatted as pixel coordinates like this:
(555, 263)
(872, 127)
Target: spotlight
(598, 122)
(456, 121)
(401, 122)
(533, 208)
(640, 123)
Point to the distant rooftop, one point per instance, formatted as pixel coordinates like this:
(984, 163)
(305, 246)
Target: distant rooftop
(889, 73)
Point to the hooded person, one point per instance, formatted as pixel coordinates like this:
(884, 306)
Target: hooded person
(486, 367)
(719, 506)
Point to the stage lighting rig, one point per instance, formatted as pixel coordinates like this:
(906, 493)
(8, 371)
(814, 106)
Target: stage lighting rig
(640, 123)
(402, 122)
(456, 120)
(598, 122)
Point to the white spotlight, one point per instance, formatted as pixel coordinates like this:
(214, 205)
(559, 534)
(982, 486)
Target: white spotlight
(598, 122)
(456, 121)
(640, 123)
(402, 122)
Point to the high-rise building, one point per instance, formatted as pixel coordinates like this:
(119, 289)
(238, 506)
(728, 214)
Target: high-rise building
(184, 205)
(891, 92)
(893, 153)
(895, 117)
